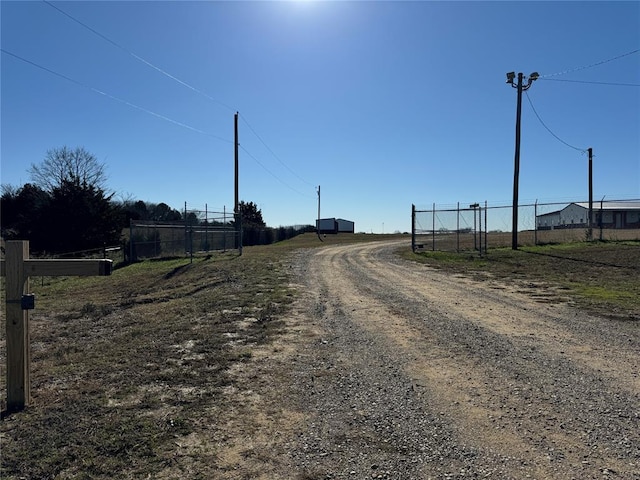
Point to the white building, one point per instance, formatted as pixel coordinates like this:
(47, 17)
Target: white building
(620, 214)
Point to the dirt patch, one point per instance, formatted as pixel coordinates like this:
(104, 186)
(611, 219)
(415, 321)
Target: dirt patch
(344, 361)
(413, 373)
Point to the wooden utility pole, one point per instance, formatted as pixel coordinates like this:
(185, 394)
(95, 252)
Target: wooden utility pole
(590, 222)
(516, 171)
(236, 204)
(318, 206)
(17, 268)
(318, 222)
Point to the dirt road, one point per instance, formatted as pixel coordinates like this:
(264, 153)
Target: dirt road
(390, 369)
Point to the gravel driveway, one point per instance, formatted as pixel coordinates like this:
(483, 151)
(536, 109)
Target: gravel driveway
(390, 369)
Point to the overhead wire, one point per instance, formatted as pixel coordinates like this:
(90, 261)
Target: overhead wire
(271, 173)
(584, 67)
(113, 97)
(138, 57)
(173, 77)
(150, 112)
(272, 152)
(548, 129)
(594, 83)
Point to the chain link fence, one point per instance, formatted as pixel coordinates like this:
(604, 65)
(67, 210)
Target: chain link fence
(201, 231)
(480, 226)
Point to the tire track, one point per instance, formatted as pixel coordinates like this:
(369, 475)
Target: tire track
(503, 400)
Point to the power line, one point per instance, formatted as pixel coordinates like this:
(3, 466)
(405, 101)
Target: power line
(602, 62)
(271, 173)
(112, 97)
(548, 129)
(595, 83)
(274, 155)
(173, 77)
(139, 58)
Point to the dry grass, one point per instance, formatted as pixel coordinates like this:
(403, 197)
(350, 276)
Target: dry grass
(124, 366)
(129, 372)
(602, 277)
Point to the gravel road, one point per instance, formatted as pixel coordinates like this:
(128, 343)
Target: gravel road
(390, 369)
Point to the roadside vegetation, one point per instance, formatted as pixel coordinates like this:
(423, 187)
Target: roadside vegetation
(128, 371)
(126, 367)
(603, 277)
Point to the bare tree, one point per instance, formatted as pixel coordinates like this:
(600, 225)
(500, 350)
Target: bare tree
(78, 167)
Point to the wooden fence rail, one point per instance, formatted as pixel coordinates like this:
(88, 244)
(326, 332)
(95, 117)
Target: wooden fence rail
(17, 267)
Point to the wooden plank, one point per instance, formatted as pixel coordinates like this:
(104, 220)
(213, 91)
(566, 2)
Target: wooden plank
(17, 324)
(63, 268)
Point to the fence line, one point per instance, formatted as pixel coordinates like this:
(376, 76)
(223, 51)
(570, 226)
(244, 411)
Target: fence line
(200, 231)
(197, 231)
(474, 227)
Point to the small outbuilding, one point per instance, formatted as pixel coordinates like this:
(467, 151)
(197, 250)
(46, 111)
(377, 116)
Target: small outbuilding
(335, 225)
(618, 214)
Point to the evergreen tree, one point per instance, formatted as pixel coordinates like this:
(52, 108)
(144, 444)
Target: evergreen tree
(251, 214)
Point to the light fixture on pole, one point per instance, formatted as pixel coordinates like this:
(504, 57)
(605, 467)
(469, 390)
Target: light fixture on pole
(516, 173)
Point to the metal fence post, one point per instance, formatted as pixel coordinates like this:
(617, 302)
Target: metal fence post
(433, 229)
(480, 228)
(486, 229)
(413, 228)
(458, 229)
(206, 227)
(131, 246)
(240, 235)
(601, 219)
(186, 229)
(191, 244)
(534, 206)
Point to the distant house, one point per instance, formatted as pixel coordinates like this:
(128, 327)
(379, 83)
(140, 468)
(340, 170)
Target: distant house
(620, 214)
(335, 225)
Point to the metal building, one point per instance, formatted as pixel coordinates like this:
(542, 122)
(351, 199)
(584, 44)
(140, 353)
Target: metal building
(335, 225)
(621, 214)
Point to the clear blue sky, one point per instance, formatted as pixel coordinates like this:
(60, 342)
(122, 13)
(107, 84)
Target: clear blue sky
(382, 104)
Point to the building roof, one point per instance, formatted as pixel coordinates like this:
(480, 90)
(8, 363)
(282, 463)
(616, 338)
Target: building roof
(614, 205)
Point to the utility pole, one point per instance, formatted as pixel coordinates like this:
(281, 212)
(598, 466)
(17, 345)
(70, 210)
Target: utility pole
(236, 207)
(590, 222)
(318, 222)
(516, 172)
(318, 206)
(235, 131)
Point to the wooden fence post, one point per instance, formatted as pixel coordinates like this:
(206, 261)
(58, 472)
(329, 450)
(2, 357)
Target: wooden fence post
(18, 358)
(17, 268)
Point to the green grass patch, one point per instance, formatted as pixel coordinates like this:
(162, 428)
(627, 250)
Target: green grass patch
(600, 276)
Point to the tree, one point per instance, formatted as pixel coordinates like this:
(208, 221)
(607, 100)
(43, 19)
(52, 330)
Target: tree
(164, 213)
(21, 210)
(253, 226)
(251, 214)
(80, 217)
(63, 166)
(134, 210)
(66, 208)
